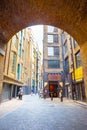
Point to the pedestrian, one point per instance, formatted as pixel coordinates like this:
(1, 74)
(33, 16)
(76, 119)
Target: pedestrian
(61, 95)
(20, 93)
(51, 96)
(44, 93)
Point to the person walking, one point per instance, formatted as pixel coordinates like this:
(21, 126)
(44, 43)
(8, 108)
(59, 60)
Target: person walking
(20, 93)
(61, 95)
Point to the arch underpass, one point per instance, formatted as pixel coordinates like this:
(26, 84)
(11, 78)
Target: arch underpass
(71, 16)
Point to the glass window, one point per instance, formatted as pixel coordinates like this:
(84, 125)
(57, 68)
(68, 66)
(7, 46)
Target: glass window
(75, 44)
(56, 51)
(55, 38)
(15, 41)
(50, 29)
(22, 54)
(21, 36)
(33, 83)
(70, 43)
(50, 51)
(32, 74)
(53, 63)
(66, 65)
(14, 63)
(65, 48)
(78, 59)
(53, 51)
(63, 38)
(20, 50)
(50, 38)
(18, 71)
(32, 66)
(55, 29)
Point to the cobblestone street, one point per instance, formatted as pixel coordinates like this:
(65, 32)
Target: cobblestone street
(34, 113)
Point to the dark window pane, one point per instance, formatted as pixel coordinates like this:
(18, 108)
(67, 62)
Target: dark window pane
(54, 64)
(55, 38)
(66, 65)
(75, 44)
(63, 38)
(78, 60)
(14, 63)
(55, 29)
(56, 51)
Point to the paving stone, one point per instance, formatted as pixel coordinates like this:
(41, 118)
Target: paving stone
(38, 114)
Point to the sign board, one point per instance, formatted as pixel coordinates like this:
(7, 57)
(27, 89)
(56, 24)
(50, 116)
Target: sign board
(78, 73)
(54, 77)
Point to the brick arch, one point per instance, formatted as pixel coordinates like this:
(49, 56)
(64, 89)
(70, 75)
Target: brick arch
(71, 16)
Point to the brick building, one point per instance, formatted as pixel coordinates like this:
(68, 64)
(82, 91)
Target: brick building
(52, 60)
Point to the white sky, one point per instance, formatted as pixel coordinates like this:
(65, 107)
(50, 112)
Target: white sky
(38, 35)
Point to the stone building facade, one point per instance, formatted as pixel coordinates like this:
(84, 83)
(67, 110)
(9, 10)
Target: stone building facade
(73, 71)
(16, 65)
(52, 60)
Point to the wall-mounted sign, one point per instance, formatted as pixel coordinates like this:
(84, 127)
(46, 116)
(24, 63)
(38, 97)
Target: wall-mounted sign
(54, 77)
(78, 73)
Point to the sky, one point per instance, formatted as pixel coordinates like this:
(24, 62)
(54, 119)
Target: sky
(38, 35)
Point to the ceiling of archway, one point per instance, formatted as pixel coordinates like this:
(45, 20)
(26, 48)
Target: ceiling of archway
(69, 15)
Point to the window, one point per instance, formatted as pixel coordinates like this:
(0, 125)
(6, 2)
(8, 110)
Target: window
(50, 29)
(50, 51)
(55, 29)
(32, 66)
(14, 63)
(56, 51)
(22, 54)
(70, 43)
(53, 51)
(50, 38)
(75, 44)
(53, 63)
(66, 65)
(65, 48)
(18, 71)
(53, 38)
(20, 50)
(78, 59)
(63, 38)
(21, 36)
(15, 41)
(32, 74)
(33, 83)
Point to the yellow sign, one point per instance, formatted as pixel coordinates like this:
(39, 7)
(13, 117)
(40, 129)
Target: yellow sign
(78, 73)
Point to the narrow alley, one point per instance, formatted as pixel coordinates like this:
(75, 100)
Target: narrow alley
(34, 113)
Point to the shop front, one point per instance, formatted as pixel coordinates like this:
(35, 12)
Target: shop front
(54, 84)
(78, 85)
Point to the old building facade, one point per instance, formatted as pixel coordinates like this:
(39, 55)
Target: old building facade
(16, 67)
(73, 71)
(52, 60)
